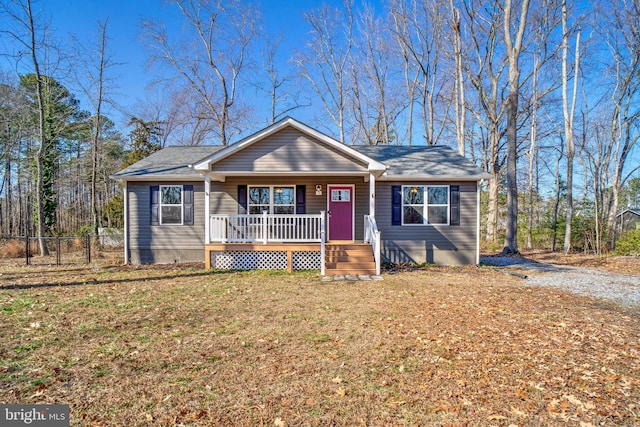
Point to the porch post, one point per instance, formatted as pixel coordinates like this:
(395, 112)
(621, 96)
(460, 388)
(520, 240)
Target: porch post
(265, 234)
(372, 195)
(322, 242)
(207, 211)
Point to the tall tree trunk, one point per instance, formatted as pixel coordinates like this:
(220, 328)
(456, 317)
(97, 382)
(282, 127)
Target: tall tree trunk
(494, 186)
(458, 86)
(568, 112)
(41, 134)
(556, 205)
(513, 53)
(532, 153)
(98, 130)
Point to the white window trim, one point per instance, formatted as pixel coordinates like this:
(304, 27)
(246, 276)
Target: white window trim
(160, 204)
(271, 197)
(426, 205)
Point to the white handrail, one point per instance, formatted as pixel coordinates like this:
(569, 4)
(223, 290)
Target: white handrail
(265, 228)
(372, 236)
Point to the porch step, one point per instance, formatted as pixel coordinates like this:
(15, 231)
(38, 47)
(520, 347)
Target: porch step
(349, 259)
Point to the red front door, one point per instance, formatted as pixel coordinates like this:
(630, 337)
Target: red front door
(340, 212)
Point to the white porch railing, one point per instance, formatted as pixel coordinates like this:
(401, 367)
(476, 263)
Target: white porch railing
(372, 236)
(265, 228)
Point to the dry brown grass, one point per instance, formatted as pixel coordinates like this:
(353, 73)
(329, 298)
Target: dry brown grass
(16, 248)
(440, 346)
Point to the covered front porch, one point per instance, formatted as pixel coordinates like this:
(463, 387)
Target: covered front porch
(284, 191)
(292, 242)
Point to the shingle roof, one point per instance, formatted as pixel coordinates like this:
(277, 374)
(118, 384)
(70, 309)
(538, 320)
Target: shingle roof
(415, 162)
(426, 162)
(169, 163)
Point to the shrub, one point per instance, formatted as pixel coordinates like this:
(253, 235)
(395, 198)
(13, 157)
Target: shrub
(628, 243)
(15, 248)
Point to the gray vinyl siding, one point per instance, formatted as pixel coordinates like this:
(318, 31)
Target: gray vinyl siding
(289, 150)
(224, 195)
(444, 245)
(629, 220)
(163, 244)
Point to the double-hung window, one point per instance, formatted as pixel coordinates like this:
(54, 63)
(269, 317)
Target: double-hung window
(271, 199)
(171, 204)
(425, 205)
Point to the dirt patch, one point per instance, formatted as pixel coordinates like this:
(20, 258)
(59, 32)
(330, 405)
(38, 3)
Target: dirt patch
(172, 345)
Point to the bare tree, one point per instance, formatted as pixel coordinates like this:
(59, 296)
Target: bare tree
(375, 69)
(282, 88)
(458, 88)
(484, 66)
(622, 36)
(209, 60)
(419, 31)
(32, 38)
(92, 70)
(568, 115)
(13, 121)
(325, 61)
(513, 47)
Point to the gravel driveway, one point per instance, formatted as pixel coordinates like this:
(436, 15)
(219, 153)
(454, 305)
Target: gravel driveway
(620, 288)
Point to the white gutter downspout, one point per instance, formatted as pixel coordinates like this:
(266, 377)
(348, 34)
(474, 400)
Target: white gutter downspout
(126, 221)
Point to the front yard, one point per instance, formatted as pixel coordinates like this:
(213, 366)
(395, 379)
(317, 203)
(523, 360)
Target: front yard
(127, 346)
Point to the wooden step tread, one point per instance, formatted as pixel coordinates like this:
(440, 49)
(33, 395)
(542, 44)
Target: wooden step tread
(355, 265)
(350, 272)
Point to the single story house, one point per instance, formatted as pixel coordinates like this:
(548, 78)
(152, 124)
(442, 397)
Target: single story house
(291, 197)
(628, 219)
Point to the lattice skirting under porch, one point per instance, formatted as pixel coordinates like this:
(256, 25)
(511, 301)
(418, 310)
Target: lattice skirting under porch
(273, 259)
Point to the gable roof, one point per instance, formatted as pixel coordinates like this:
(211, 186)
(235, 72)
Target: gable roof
(205, 163)
(423, 162)
(633, 211)
(170, 163)
(387, 162)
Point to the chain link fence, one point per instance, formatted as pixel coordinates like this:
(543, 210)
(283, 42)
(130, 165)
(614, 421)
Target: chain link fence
(104, 249)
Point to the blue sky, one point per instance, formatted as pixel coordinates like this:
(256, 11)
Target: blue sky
(80, 17)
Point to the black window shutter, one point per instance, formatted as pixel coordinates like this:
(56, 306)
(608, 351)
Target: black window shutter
(454, 205)
(301, 196)
(242, 199)
(396, 205)
(155, 204)
(187, 200)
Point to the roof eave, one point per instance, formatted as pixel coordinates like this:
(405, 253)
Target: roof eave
(158, 178)
(433, 178)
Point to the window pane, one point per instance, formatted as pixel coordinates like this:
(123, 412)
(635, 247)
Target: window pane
(171, 196)
(413, 195)
(171, 214)
(255, 210)
(413, 215)
(283, 210)
(438, 214)
(438, 196)
(259, 196)
(340, 195)
(283, 196)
